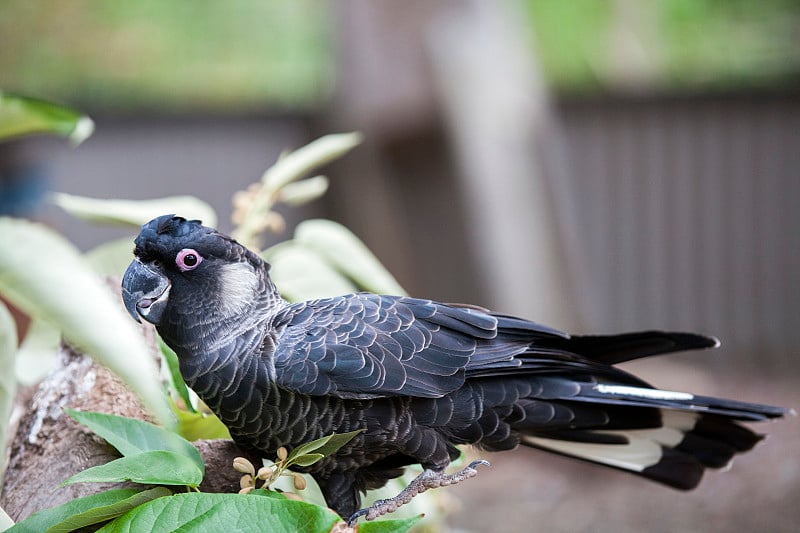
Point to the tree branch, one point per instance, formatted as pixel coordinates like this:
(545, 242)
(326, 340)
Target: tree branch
(49, 447)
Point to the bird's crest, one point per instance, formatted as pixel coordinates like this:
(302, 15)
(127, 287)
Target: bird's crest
(173, 224)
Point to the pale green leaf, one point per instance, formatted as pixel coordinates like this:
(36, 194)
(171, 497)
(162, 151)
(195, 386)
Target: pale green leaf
(342, 249)
(294, 165)
(134, 213)
(231, 513)
(302, 274)
(38, 351)
(8, 384)
(157, 467)
(20, 116)
(111, 258)
(44, 275)
(86, 511)
(290, 167)
(132, 437)
(311, 494)
(5, 520)
(304, 191)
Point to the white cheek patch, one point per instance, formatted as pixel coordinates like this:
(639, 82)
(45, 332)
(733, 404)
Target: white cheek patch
(238, 285)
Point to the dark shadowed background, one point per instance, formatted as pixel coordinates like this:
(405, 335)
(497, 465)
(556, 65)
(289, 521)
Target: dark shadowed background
(596, 165)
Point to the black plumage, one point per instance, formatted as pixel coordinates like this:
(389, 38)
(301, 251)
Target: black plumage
(419, 377)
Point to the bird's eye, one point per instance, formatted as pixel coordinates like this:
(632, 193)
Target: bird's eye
(188, 259)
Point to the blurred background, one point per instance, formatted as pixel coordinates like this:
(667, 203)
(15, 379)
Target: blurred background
(596, 165)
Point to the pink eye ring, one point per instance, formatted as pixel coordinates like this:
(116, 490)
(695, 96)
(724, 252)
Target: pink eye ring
(188, 259)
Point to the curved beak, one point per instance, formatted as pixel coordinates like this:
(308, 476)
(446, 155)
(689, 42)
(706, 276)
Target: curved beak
(145, 292)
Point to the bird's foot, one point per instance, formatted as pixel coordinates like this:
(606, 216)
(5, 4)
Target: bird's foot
(428, 479)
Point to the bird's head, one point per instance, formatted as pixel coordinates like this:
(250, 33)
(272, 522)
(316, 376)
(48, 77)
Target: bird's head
(182, 268)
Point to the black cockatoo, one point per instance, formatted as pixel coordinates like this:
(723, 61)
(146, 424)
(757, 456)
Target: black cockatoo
(417, 376)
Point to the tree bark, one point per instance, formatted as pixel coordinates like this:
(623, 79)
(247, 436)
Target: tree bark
(48, 446)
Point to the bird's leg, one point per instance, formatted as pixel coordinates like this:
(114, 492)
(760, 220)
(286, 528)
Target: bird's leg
(428, 479)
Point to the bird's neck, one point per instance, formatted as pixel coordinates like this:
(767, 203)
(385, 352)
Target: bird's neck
(213, 367)
(231, 362)
(230, 331)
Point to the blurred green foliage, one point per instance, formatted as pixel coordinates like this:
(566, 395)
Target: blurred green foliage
(241, 55)
(176, 55)
(667, 45)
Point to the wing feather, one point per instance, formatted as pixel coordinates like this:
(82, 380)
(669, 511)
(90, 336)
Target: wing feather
(365, 346)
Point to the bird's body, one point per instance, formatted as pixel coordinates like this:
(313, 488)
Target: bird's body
(417, 376)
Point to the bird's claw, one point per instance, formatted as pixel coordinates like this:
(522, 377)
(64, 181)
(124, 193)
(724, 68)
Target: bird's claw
(428, 479)
(351, 522)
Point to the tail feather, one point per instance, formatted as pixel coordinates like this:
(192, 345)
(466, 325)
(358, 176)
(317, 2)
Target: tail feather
(649, 397)
(674, 454)
(675, 469)
(578, 404)
(740, 438)
(709, 452)
(613, 349)
(686, 433)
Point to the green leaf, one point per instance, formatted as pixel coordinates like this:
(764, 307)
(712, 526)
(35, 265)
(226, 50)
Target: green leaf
(173, 367)
(267, 494)
(204, 512)
(134, 213)
(195, 426)
(157, 467)
(192, 424)
(309, 447)
(342, 249)
(302, 274)
(86, 511)
(8, 383)
(307, 459)
(132, 437)
(64, 291)
(389, 526)
(325, 445)
(20, 116)
(336, 441)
